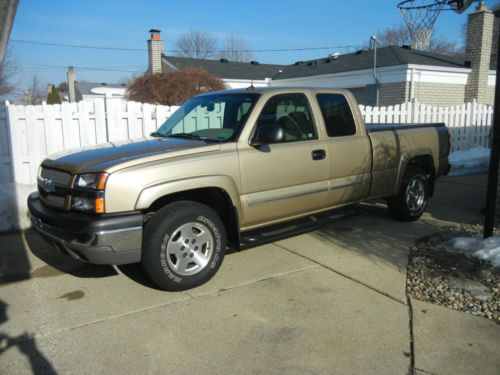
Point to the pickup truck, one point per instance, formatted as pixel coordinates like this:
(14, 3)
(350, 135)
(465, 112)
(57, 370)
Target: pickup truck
(230, 169)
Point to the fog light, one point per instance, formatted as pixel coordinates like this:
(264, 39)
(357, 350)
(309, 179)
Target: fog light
(84, 204)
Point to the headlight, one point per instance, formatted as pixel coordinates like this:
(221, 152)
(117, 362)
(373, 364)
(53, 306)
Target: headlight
(94, 181)
(88, 193)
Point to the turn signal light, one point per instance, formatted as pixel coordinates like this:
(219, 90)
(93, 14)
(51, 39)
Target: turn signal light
(99, 205)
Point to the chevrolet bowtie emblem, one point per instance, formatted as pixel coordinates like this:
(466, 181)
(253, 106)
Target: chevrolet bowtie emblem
(48, 184)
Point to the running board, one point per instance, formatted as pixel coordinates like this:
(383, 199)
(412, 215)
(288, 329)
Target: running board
(291, 228)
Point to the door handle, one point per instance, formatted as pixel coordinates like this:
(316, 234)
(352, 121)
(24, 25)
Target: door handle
(318, 154)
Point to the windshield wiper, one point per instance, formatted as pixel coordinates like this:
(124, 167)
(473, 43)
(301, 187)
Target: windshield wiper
(156, 134)
(187, 136)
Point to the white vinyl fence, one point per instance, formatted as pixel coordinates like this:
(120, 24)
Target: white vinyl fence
(29, 133)
(469, 124)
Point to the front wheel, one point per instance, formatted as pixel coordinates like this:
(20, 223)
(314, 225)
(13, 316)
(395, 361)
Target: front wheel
(413, 196)
(184, 245)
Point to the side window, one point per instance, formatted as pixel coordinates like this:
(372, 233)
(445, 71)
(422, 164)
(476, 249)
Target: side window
(337, 114)
(291, 111)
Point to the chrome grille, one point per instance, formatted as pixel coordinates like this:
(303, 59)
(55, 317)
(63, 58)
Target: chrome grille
(53, 200)
(58, 177)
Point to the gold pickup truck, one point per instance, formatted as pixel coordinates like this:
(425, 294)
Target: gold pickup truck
(231, 169)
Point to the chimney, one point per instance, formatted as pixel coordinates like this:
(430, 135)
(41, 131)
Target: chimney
(478, 53)
(71, 84)
(155, 50)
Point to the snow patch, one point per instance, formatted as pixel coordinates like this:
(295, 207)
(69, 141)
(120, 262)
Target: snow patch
(487, 249)
(473, 161)
(13, 206)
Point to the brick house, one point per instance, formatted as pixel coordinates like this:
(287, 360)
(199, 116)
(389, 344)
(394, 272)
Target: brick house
(401, 73)
(233, 74)
(404, 74)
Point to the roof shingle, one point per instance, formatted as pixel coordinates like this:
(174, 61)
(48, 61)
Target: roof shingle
(230, 69)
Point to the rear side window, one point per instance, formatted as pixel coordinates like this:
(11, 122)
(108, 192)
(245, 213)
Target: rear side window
(337, 114)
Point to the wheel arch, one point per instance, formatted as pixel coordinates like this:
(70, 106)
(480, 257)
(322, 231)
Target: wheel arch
(220, 198)
(424, 162)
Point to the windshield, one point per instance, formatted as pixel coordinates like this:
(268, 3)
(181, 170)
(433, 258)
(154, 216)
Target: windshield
(217, 117)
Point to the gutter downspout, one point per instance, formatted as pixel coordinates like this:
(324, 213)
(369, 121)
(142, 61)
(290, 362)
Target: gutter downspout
(377, 82)
(412, 85)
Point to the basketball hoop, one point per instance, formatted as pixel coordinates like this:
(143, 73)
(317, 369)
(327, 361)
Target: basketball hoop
(420, 17)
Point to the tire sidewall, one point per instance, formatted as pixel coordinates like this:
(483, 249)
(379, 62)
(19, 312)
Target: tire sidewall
(412, 175)
(155, 259)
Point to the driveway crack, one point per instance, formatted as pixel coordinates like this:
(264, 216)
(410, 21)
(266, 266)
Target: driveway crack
(342, 274)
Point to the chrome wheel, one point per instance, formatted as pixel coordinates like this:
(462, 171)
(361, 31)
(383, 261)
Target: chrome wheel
(189, 248)
(415, 195)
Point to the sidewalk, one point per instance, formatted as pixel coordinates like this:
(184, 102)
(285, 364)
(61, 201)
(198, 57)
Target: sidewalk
(331, 301)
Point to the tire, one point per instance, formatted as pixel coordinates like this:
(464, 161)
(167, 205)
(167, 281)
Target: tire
(413, 196)
(184, 245)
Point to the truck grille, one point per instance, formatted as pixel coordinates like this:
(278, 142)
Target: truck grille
(58, 177)
(49, 181)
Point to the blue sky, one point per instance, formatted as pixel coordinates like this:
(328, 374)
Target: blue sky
(267, 24)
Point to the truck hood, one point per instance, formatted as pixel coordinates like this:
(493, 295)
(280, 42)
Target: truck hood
(113, 156)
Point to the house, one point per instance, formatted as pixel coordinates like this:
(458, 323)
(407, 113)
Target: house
(401, 74)
(82, 90)
(233, 74)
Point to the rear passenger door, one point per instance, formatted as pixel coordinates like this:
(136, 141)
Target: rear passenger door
(348, 149)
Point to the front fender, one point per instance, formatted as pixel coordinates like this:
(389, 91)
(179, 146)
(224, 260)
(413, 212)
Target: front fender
(152, 193)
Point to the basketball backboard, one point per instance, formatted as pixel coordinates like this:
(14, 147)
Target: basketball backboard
(460, 6)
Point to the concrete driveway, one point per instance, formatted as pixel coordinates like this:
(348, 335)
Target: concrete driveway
(328, 302)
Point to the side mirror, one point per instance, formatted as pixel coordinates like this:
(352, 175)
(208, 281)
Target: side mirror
(267, 134)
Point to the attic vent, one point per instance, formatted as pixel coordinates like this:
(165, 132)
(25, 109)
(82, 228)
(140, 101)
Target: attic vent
(225, 61)
(335, 55)
(406, 47)
(312, 63)
(299, 63)
(327, 60)
(254, 62)
(359, 52)
(103, 83)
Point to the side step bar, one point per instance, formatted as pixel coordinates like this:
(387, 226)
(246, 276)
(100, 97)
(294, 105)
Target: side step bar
(291, 228)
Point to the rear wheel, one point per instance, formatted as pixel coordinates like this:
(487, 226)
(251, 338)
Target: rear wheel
(184, 245)
(413, 196)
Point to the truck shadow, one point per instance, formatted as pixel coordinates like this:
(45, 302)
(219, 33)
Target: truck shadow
(374, 235)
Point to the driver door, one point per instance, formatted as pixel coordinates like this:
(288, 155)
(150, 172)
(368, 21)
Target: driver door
(285, 179)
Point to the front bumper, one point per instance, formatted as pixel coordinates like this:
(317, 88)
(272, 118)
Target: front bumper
(105, 239)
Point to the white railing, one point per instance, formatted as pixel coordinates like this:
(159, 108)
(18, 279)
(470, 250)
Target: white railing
(469, 124)
(29, 133)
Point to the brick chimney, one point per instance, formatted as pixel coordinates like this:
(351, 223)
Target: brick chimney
(71, 84)
(478, 52)
(155, 50)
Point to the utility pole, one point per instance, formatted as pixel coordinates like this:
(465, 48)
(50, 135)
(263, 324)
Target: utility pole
(492, 190)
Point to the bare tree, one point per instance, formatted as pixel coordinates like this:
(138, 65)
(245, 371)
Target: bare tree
(236, 49)
(399, 35)
(36, 92)
(8, 71)
(196, 44)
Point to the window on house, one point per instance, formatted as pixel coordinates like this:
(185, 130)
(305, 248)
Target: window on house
(293, 113)
(337, 115)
